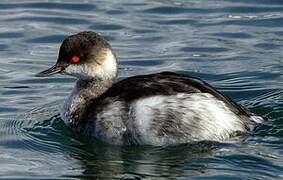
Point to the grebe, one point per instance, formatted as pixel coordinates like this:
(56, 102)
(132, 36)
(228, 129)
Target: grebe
(155, 109)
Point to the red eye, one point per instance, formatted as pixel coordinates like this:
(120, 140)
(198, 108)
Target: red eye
(75, 59)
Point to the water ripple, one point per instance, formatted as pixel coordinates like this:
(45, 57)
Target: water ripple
(56, 20)
(49, 5)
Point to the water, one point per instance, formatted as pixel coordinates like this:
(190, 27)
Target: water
(234, 45)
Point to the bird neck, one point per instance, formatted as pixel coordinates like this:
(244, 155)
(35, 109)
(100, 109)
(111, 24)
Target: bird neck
(82, 95)
(90, 89)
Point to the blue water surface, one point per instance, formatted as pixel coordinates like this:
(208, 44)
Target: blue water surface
(237, 46)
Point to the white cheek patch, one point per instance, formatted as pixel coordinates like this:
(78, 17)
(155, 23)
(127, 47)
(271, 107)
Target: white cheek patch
(80, 71)
(106, 70)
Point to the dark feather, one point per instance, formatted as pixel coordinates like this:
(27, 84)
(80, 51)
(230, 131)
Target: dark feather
(164, 83)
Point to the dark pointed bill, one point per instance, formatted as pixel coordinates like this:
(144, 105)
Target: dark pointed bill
(48, 72)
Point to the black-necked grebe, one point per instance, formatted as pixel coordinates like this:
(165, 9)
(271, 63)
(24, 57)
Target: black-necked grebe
(156, 109)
